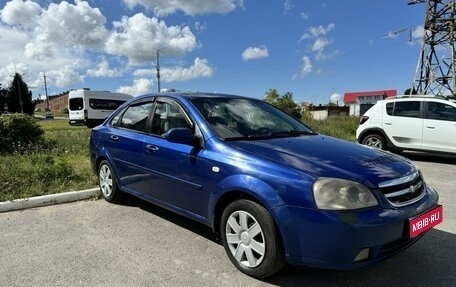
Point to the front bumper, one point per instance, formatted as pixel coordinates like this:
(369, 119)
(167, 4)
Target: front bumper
(335, 239)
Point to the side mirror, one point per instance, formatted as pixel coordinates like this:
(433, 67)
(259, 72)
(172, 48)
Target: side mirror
(181, 136)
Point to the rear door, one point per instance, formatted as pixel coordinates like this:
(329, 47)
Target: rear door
(403, 123)
(439, 132)
(124, 141)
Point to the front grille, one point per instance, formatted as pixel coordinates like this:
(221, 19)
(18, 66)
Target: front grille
(405, 190)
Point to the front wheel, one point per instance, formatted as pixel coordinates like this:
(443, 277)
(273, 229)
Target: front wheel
(108, 183)
(251, 239)
(375, 140)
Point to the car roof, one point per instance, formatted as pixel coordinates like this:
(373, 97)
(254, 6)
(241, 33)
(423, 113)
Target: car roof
(414, 97)
(194, 95)
(426, 98)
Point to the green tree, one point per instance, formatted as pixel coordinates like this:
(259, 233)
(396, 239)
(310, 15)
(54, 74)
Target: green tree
(3, 93)
(410, 91)
(284, 102)
(18, 97)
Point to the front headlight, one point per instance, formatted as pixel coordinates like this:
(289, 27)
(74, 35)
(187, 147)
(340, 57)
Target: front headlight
(341, 194)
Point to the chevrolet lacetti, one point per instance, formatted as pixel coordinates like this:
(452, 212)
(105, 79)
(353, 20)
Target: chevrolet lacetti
(274, 190)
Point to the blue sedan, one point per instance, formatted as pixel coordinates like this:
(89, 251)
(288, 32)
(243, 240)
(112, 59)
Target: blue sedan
(274, 190)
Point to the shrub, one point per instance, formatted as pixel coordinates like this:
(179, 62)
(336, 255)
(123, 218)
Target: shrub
(18, 131)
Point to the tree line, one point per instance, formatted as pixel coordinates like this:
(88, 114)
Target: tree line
(17, 98)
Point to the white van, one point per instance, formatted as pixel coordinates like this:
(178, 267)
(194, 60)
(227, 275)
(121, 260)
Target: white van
(91, 108)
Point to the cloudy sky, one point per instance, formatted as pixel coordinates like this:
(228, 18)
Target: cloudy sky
(313, 49)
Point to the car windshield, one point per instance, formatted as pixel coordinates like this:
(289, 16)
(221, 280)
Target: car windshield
(248, 119)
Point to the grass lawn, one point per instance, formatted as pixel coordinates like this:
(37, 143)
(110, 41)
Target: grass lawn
(63, 166)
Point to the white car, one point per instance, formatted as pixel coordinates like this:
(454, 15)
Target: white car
(423, 123)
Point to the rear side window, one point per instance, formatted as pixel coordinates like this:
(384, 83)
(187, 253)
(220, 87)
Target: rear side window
(102, 104)
(135, 117)
(409, 109)
(440, 111)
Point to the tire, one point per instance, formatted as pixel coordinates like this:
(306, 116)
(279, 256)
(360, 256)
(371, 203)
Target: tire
(108, 183)
(375, 140)
(251, 239)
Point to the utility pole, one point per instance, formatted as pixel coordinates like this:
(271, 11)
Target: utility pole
(158, 70)
(21, 103)
(46, 91)
(435, 70)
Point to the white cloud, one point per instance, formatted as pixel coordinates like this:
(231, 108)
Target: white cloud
(418, 33)
(317, 31)
(189, 7)
(69, 41)
(139, 87)
(64, 76)
(200, 27)
(320, 41)
(305, 15)
(288, 6)
(11, 44)
(21, 13)
(307, 66)
(139, 37)
(103, 70)
(336, 99)
(54, 40)
(320, 44)
(141, 73)
(253, 53)
(199, 69)
(71, 25)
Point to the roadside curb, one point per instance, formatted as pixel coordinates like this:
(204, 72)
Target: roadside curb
(51, 199)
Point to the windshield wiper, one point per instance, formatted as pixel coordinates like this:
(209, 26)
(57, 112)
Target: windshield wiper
(270, 135)
(292, 133)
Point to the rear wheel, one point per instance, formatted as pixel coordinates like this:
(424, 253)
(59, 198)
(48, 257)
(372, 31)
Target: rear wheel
(108, 183)
(375, 140)
(251, 239)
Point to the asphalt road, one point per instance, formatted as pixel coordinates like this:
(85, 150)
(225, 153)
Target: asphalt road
(94, 243)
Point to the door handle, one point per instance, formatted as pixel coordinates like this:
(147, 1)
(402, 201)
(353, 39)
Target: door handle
(114, 138)
(151, 148)
(430, 127)
(388, 123)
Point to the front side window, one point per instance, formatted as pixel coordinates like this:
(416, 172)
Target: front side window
(440, 111)
(168, 115)
(135, 117)
(409, 109)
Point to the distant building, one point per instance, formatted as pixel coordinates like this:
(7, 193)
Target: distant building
(57, 103)
(360, 102)
(324, 112)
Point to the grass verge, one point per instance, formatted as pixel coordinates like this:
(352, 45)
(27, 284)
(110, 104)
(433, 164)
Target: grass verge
(62, 166)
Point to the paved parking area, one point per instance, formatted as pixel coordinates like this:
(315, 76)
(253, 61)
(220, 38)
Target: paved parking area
(94, 243)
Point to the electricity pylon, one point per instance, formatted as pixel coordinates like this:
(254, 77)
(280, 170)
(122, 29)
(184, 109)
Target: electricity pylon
(435, 71)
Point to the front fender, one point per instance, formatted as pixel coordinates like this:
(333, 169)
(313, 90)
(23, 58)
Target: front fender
(264, 194)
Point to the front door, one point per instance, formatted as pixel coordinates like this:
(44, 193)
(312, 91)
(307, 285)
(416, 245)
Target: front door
(173, 170)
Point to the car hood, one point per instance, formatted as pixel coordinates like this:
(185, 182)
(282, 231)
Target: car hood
(323, 156)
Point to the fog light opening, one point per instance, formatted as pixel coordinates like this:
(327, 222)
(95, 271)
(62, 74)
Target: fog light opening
(362, 255)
